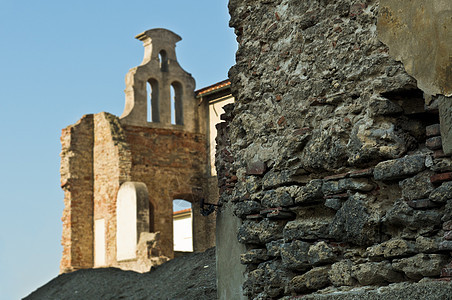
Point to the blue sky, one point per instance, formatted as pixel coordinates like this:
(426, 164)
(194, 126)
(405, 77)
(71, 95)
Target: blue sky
(60, 60)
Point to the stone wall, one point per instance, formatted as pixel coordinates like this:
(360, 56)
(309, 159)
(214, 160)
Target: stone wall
(331, 155)
(77, 183)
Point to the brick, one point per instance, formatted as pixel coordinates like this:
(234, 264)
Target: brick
(302, 131)
(336, 176)
(438, 178)
(254, 217)
(439, 153)
(434, 143)
(361, 173)
(432, 130)
(256, 168)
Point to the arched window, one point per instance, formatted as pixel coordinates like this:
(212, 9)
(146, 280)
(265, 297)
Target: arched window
(182, 226)
(176, 104)
(151, 217)
(153, 101)
(163, 59)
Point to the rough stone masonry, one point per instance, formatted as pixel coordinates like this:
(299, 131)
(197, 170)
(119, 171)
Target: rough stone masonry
(333, 157)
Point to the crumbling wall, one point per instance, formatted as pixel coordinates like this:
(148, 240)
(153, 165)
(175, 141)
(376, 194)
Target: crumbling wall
(332, 157)
(77, 183)
(173, 165)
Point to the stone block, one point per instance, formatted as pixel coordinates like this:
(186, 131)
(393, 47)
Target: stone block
(442, 164)
(346, 184)
(417, 187)
(321, 253)
(353, 223)
(307, 229)
(433, 130)
(333, 203)
(275, 198)
(254, 256)
(434, 143)
(376, 273)
(421, 204)
(311, 192)
(341, 274)
(244, 208)
(252, 232)
(393, 248)
(421, 265)
(442, 193)
(314, 279)
(399, 168)
(294, 255)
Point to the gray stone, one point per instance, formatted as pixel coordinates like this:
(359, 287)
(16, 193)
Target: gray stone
(314, 279)
(333, 203)
(379, 105)
(262, 232)
(392, 248)
(244, 208)
(307, 229)
(421, 265)
(431, 290)
(274, 247)
(295, 255)
(417, 187)
(353, 223)
(427, 245)
(277, 198)
(410, 222)
(345, 184)
(442, 193)
(254, 256)
(442, 165)
(321, 253)
(376, 273)
(311, 192)
(399, 168)
(341, 273)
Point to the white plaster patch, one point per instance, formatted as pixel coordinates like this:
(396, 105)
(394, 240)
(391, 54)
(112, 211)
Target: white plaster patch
(126, 235)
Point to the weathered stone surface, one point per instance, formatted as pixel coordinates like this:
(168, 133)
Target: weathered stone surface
(254, 256)
(399, 168)
(403, 28)
(435, 290)
(341, 273)
(256, 168)
(392, 248)
(314, 279)
(274, 247)
(427, 245)
(321, 253)
(295, 255)
(417, 187)
(442, 193)
(433, 130)
(260, 232)
(354, 224)
(442, 165)
(421, 265)
(411, 222)
(311, 192)
(434, 143)
(333, 203)
(276, 198)
(383, 106)
(353, 184)
(445, 117)
(269, 278)
(243, 208)
(374, 273)
(307, 229)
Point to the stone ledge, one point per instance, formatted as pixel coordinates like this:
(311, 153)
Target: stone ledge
(432, 290)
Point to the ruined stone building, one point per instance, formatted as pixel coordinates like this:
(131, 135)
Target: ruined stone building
(120, 175)
(335, 162)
